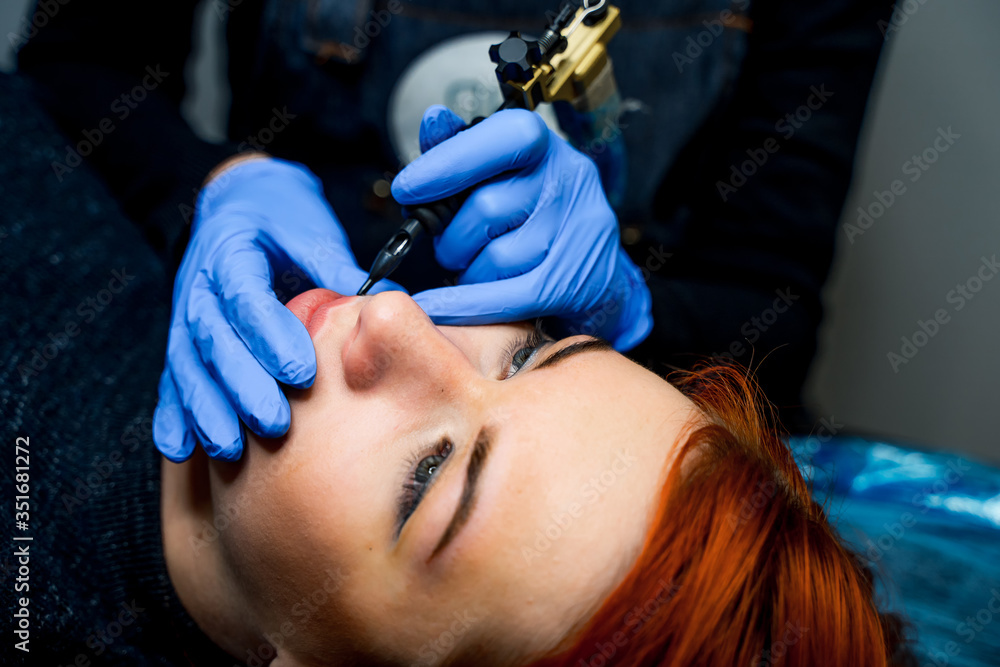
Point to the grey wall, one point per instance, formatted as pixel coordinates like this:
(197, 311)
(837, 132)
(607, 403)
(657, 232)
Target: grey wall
(940, 71)
(207, 102)
(11, 13)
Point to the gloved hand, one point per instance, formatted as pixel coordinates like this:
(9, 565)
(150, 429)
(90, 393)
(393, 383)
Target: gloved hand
(537, 238)
(230, 338)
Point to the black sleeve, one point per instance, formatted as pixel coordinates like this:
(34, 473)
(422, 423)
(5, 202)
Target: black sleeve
(112, 74)
(748, 212)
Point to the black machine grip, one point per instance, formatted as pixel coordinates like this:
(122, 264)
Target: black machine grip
(435, 216)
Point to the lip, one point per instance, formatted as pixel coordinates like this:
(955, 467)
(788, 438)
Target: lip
(311, 307)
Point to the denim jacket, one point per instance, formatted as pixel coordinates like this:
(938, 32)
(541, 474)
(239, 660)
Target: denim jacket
(673, 60)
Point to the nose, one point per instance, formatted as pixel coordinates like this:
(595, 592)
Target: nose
(397, 346)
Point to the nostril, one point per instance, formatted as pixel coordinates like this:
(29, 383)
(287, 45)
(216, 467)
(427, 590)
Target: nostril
(374, 366)
(358, 358)
(368, 356)
(391, 329)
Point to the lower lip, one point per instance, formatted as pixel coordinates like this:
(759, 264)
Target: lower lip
(311, 307)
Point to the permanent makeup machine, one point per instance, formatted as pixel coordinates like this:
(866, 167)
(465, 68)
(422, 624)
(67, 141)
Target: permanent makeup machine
(568, 67)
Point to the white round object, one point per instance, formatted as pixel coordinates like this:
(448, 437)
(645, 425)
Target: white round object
(457, 73)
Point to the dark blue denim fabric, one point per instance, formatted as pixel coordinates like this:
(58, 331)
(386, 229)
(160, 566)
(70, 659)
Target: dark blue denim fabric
(80, 357)
(726, 234)
(670, 92)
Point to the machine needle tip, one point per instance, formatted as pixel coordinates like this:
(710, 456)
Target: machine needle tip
(367, 286)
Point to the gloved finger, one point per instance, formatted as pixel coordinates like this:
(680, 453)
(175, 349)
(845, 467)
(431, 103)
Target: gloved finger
(489, 211)
(439, 123)
(212, 417)
(509, 139)
(275, 337)
(515, 252)
(249, 387)
(171, 433)
(508, 300)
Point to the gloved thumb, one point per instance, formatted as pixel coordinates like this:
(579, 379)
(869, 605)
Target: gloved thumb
(439, 123)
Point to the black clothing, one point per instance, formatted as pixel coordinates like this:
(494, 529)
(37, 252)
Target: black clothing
(84, 312)
(744, 253)
(85, 304)
(745, 259)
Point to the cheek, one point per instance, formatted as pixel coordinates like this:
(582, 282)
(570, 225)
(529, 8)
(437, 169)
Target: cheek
(328, 418)
(295, 517)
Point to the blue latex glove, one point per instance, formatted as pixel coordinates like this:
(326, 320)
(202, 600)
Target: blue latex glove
(537, 238)
(230, 338)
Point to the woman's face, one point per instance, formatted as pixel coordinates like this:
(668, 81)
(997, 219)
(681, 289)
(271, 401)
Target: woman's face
(434, 494)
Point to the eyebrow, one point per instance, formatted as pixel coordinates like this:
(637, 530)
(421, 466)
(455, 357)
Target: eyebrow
(484, 442)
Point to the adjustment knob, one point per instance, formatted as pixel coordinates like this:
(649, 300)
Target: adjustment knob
(515, 57)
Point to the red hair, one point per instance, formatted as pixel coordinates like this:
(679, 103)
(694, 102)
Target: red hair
(740, 566)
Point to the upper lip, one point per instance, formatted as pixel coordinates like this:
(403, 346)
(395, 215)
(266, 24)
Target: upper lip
(310, 306)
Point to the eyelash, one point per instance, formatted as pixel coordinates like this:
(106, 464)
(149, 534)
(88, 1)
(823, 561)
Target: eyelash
(414, 489)
(529, 342)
